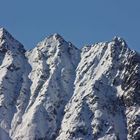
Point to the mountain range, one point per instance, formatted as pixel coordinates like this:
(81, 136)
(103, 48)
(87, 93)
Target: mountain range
(57, 91)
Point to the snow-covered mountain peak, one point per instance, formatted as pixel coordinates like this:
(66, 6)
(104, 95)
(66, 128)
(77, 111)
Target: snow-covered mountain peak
(2, 31)
(57, 36)
(55, 43)
(114, 48)
(8, 42)
(5, 35)
(119, 41)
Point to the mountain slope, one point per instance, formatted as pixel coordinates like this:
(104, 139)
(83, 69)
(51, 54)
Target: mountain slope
(56, 91)
(105, 104)
(53, 63)
(12, 67)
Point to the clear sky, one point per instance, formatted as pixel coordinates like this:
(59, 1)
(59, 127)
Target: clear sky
(80, 21)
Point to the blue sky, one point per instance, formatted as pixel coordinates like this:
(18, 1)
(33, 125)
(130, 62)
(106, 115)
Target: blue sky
(79, 21)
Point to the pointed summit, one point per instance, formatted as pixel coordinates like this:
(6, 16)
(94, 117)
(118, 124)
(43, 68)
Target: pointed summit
(2, 30)
(55, 37)
(119, 41)
(58, 36)
(53, 41)
(8, 42)
(4, 34)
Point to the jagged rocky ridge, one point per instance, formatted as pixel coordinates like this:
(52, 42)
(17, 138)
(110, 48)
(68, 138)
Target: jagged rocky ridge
(58, 92)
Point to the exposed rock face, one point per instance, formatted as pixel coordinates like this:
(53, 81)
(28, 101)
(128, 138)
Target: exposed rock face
(58, 92)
